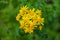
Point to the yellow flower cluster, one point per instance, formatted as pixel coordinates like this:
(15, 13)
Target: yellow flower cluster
(29, 19)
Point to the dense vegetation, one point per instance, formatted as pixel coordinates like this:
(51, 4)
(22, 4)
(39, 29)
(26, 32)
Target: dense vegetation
(9, 27)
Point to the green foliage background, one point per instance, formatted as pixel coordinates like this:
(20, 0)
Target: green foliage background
(9, 27)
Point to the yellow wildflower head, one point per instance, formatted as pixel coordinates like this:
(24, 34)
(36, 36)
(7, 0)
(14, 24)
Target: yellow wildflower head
(29, 19)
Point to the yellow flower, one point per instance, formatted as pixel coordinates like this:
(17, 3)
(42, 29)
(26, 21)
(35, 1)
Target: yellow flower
(27, 30)
(31, 24)
(34, 17)
(29, 19)
(40, 28)
(38, 12)
(17, 17)
(42, 21)
(35, 22)
(24, 8)
(21, 24)
(31, 12)
(28, 16)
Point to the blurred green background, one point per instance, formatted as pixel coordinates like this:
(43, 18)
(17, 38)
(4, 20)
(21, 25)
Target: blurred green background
(9, 27)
